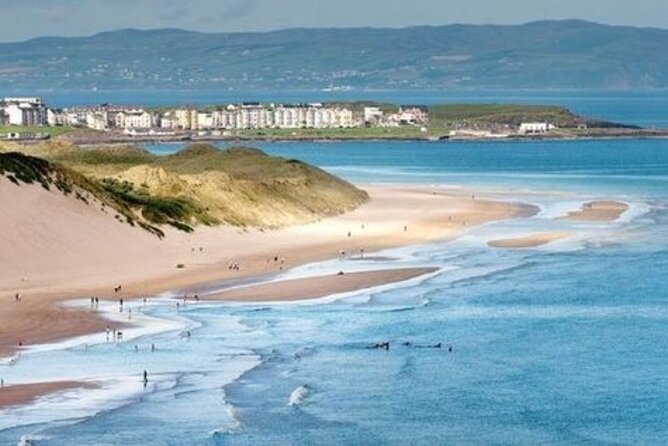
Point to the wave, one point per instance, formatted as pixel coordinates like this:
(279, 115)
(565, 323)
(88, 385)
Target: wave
(29, 439)
(298, 395)
(233, 426)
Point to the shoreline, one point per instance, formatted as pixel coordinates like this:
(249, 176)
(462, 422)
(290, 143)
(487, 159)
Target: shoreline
(395, 217)
(121, 139)
(24, 394)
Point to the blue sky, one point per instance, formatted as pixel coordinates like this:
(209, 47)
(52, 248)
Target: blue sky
(22, 19)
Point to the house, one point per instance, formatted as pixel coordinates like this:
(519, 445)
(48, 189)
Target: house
(535, 127)
(133, 119)
(414, 115)
(372, 115)
(97, 120)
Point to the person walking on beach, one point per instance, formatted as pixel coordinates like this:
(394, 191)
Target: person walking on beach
(145, 378)
(17, 297)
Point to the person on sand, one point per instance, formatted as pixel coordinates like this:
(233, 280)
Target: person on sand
(145, 378)
(17, 297)
(405, 228)
(152, 347)
(349, 234)
(2, 382)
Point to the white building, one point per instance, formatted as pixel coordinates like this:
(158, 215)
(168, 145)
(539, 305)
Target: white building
(56, 117)
(414, 114)
(24, 111)
(97, 120)
(133, 119)
(372, 115)
(534, 127)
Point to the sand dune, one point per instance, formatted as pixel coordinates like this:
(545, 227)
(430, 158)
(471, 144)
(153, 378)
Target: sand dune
(320, 286)
(529, 241)
(56, 247)
(598, 211)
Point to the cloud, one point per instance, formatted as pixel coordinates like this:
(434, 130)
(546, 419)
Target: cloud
(240, 9)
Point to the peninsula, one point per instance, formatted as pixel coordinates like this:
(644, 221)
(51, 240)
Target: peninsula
(30, 119)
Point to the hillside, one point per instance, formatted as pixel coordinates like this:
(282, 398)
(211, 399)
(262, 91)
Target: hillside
(540, 55)
(200, 185)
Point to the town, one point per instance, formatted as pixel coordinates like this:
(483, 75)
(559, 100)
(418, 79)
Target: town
(32, 111)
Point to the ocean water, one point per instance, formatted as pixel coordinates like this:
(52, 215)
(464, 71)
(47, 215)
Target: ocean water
(560, 345)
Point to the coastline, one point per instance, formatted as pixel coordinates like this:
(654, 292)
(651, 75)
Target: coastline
(396, 216)
(580, 135)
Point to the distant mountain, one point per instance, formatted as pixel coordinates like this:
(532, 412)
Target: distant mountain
(539, 55)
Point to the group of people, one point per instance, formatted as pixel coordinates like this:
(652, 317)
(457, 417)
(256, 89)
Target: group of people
(116, 335)
(386, 345)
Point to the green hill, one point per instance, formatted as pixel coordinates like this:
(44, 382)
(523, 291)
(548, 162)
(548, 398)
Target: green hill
(543, 55)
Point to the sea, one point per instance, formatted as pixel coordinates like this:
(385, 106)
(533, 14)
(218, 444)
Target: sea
(564, 344)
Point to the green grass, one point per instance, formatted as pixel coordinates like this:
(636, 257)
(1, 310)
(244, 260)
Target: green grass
(451, 115)
(52, 132)
(336, 133)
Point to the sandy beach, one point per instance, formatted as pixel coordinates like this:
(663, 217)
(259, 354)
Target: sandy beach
(27, 393)
(598, 211)
(319, 286)
(529, 241)
(57, 248)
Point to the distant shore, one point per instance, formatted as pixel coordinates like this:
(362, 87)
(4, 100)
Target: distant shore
(593, 134)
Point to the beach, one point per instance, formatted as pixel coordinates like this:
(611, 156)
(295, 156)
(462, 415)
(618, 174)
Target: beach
(21, 394)
(80, 252)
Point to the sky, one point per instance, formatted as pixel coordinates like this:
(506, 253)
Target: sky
(24, 19)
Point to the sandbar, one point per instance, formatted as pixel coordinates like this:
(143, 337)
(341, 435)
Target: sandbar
(319, 286)
(529, 241)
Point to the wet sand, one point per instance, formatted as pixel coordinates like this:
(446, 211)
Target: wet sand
(22, 394)
(317, 287)
(598, 211)
(530, 241)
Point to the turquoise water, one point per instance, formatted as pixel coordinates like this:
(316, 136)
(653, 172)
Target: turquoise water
(565, 344)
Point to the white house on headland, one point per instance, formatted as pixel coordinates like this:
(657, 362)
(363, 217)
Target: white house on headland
(535, 127)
